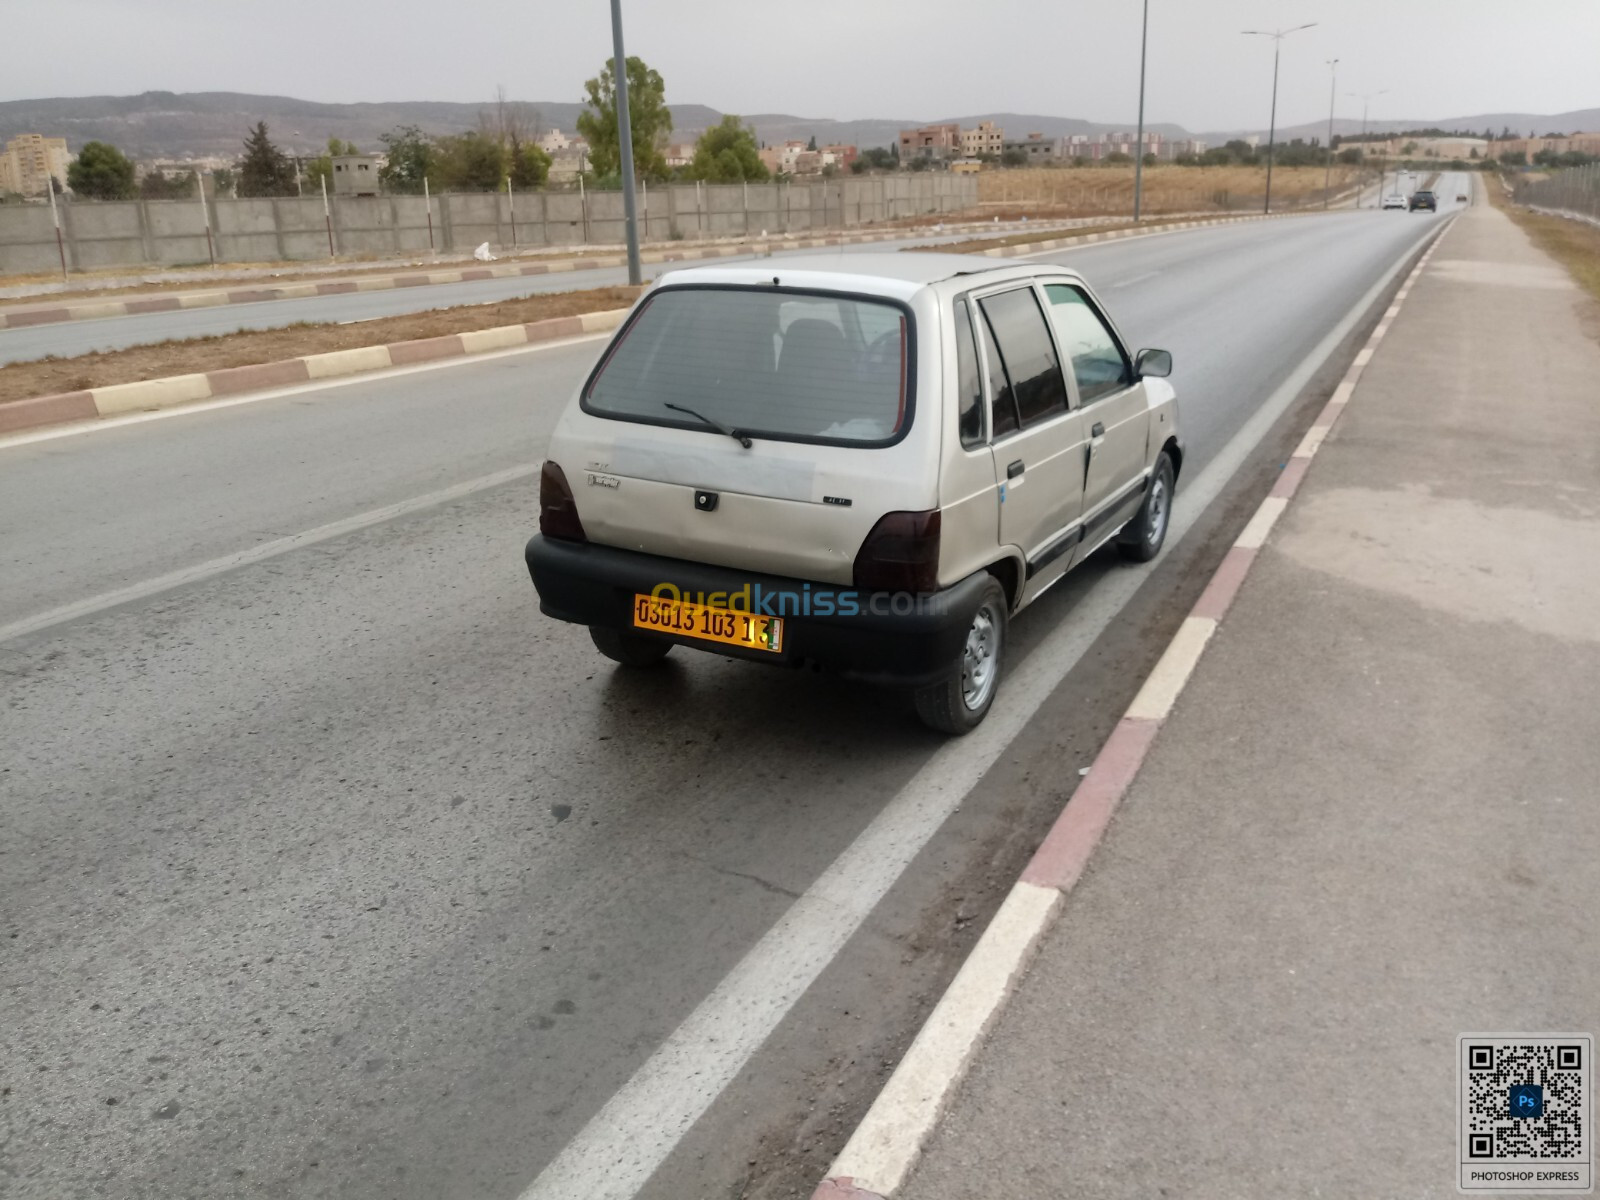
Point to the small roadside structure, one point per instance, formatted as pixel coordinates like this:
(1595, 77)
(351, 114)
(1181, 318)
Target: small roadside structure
(355, 175)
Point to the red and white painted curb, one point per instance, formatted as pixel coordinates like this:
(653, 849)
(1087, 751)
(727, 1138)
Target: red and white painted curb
(877, 1160)
(172, 390)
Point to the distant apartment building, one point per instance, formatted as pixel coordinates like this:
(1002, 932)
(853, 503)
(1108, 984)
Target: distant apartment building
(355, 175)
(679, 154)
(554, 140)
(931, 141)
(839, 155)
(987, 138)
(30, 160)
(1580, 143)
(568, 163)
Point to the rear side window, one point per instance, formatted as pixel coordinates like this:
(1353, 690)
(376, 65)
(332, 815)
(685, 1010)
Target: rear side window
(969, 387)
(767, 362)
(1098, 364)
(1024, 342)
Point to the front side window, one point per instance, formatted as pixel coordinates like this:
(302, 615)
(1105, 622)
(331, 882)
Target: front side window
(1098, 363)
(1024, 343)
(767, 362)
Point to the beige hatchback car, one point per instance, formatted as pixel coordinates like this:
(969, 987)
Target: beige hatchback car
(867, 463)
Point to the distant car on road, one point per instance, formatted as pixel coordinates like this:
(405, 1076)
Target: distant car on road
(1424, 199)
(1395, 200)
(867, 463)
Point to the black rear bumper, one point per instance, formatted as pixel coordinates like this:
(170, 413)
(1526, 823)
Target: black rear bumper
(880, 637)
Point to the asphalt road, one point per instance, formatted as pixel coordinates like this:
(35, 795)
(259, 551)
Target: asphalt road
(343, 872)
(69, 338)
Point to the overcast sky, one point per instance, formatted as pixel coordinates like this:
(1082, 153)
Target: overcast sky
(836, 58)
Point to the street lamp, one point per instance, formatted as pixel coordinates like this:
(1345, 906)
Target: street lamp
(625, 138)
(1138, 150)
(1366, 99)
(1277, 36)
(1327, 174)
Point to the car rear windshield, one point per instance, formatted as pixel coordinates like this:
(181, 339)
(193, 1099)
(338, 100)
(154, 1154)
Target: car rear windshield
(789, 365)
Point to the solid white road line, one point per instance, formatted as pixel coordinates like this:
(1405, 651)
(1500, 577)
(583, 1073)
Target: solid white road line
(256, 554)
(1172, 670)
(614, 1155)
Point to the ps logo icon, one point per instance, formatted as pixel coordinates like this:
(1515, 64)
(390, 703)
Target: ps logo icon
(705, 501)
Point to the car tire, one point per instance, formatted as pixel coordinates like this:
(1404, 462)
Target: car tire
(1143, 537)
(958, 702)
(629, 649)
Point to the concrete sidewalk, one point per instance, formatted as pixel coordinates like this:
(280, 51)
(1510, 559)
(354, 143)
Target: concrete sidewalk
(1368, 825)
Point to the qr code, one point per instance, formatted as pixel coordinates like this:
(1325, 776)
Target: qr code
(1526, 1100)
(1525, 1119)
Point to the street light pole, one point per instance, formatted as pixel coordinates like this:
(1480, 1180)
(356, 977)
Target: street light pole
(625, 140)
(1327, 174)
(1366, 99)
(1277, 36)
(1138, 160)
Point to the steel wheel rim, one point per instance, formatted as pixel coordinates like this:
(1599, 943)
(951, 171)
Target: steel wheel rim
(1158, 511)
(980, 659)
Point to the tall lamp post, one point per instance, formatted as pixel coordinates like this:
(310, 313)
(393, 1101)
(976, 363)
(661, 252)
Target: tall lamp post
(1366, 99)
(1138, 150)
(625, 138)
(1327, 174)
(1277, 36)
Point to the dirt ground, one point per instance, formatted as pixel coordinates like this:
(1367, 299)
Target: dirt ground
(19, 381)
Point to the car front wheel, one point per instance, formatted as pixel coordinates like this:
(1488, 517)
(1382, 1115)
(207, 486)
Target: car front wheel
(962, 698)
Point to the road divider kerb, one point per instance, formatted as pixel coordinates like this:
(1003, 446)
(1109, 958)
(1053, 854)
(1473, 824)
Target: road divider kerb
(173, 390)
(885, 1147)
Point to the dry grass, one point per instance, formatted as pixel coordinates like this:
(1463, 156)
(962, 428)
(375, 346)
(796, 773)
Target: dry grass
(1574, 244)
(1086, 191)
(19, 381)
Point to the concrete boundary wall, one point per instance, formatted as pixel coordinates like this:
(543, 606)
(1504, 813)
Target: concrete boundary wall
(135, 233)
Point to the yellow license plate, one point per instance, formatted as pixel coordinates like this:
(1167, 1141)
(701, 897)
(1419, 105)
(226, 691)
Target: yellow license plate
(704, 623)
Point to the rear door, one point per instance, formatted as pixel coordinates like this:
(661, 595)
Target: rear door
(1038, 442)
(1112, 402)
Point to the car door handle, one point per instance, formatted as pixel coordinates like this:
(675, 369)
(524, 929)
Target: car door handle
(1098, 430)
(1015, 469)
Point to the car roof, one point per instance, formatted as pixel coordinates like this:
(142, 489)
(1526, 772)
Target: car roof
(890, 274)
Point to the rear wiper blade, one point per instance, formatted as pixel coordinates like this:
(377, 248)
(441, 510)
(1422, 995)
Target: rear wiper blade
(742, 439)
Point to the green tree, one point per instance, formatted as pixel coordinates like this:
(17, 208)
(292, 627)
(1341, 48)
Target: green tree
(529, 165)
(650, 120)
(812, 144)
(469, 162)
(880, 158)
(156, 186)
(1014, 158)
(222, 181)
(727, 153)
(412, 158)
(101, 172)
(264, 170)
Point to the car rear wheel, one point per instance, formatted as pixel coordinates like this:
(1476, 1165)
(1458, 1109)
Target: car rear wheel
(963, 697)
(1142, 537)
(629, 649)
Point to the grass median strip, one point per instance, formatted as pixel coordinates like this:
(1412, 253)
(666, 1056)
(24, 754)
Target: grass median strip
(1574, 244)
(50, 376)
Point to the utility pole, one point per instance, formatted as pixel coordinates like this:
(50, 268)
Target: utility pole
(625, 141)
(1138, 162)
(1277, 36)
(1327, 175)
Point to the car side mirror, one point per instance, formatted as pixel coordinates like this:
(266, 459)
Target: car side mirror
(1153, 364)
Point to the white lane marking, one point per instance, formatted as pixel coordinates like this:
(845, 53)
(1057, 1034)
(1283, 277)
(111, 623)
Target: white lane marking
(1122, 283)
(621, 1146)
(256, 554)
(294, 389)
(1172, 670)
(881, 1153)
(1254, 535)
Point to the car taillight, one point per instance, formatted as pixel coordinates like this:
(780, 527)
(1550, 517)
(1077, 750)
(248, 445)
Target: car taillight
(901, 554)
(558, 511)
